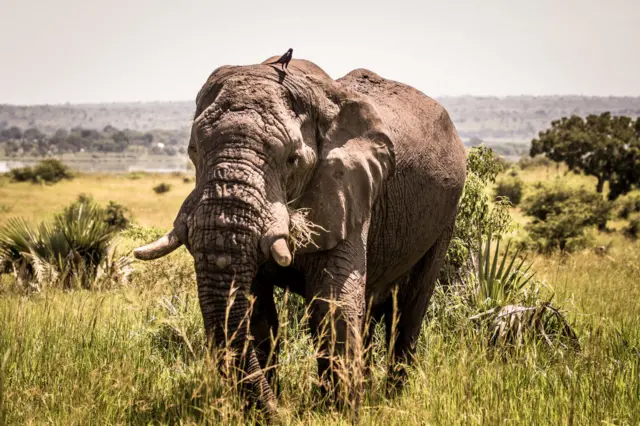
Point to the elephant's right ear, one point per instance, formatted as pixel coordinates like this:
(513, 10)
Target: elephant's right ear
(355, 156)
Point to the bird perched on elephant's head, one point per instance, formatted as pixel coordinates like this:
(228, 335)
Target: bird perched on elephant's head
(284, 59)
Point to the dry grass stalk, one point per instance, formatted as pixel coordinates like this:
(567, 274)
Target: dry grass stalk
(301, 229)
(514, 323)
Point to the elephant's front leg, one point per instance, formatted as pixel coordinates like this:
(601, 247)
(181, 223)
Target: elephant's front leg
(264, 319)
(336, 297)
(264, 330)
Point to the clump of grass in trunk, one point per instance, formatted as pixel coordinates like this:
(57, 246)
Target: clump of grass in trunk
(301, 229)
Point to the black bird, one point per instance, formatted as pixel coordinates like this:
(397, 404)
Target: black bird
(284, 59)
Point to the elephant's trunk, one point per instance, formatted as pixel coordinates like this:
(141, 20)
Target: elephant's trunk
(224, 234)
(226, 311)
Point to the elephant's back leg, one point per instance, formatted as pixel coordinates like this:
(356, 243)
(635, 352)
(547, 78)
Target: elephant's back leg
(410, 306)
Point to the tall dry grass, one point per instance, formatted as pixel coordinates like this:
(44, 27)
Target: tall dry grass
(137, 353)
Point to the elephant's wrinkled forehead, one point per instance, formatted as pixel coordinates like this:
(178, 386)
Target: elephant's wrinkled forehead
(241, 87)
(258, 99)
(244, 92)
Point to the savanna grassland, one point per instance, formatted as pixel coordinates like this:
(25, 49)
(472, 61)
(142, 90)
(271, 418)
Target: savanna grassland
(134, 354)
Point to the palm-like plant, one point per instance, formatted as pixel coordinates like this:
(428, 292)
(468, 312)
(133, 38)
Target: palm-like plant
(75, 249)
(499, 282)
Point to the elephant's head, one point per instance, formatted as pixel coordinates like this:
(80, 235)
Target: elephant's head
(260, 140)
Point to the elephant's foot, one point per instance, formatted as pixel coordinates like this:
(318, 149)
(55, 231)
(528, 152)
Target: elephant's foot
(396, 380)
(341, 387)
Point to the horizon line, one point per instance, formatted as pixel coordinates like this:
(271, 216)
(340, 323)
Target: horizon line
(499, 97)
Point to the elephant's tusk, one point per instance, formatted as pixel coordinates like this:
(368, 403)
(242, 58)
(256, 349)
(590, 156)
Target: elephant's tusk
(280, 252)
(161, 247)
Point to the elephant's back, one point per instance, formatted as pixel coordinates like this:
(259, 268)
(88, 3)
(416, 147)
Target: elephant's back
(420, 126)
(420, 200)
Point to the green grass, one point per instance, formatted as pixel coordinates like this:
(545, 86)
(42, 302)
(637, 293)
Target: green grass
(121, 357)
(135, 190)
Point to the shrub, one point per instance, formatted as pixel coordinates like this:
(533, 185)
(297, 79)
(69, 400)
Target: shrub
(142, 234)
(76, 250)
(628, 205)
(116, 216)
(500, 299)
(476, 213)
(48, 171)
(537, 161)
(22, 174)
(632, 230)
(162, 188)
(561, 216)
(510, 188)
(52, 170)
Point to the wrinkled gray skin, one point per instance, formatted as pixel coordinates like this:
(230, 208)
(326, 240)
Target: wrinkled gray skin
(379, 165)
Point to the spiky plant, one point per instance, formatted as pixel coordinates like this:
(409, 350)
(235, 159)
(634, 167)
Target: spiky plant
(86, 232)
(18, 243)
(498, 292)
(499, 281)
(74, 251)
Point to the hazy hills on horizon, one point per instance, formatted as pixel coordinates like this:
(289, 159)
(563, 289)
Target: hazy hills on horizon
(490, 118)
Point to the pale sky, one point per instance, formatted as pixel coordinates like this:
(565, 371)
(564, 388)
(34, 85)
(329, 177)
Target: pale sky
(56, 51)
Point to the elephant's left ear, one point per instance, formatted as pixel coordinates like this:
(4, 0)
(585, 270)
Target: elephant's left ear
(355, 156)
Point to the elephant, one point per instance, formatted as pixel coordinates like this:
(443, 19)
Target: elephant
(380, 168)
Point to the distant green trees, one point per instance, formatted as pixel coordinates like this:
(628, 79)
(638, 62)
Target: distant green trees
(561, 215)
(78, 139)
(604, 146)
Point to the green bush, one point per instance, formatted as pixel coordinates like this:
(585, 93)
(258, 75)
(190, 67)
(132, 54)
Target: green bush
(477, 214)
(162, 188)
(500, 299)
(116, 215)
(142, 234)
(561, 216)
(22, 174)
(510, 188)
(76, 250)
(48, 171)
(537, 161)
(627, 205)
(52, 171)
(632, 230)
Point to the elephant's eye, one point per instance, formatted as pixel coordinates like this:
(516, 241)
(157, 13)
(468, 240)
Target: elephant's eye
(293, 160)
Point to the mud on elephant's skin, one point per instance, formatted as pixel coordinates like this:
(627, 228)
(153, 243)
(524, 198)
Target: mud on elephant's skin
(378, 164)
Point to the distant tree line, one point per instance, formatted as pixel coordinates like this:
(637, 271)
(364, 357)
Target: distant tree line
(506, 149)
(31, 141)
